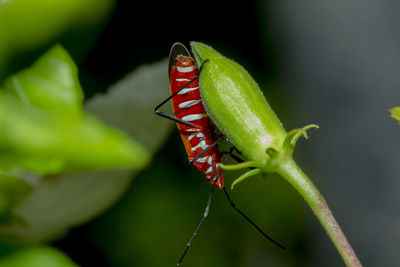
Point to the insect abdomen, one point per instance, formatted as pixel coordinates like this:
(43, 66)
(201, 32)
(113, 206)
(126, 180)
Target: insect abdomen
(188, 107)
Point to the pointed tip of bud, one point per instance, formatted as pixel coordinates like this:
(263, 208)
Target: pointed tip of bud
(202, 51)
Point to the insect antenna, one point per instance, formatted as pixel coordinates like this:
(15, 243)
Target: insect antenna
(198, 226)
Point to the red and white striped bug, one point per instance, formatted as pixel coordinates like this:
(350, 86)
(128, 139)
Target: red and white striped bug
(188, 107)
(196, 129)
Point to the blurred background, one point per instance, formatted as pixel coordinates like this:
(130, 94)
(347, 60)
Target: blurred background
(332, 63)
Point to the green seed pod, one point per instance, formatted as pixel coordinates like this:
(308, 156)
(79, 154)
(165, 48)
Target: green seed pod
(236, 104)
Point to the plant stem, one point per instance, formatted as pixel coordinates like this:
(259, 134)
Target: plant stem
(297, 178)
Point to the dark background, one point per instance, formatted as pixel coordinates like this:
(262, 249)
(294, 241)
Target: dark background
(140, 33)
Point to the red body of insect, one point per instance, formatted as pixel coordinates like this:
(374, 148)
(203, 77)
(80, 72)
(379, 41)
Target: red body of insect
(187, 106)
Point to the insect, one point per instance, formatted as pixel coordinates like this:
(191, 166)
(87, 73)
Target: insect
(196, 129)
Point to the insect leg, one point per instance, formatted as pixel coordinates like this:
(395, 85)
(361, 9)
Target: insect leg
(214, 171)
(206, 150)
(239, 160)
(214, 167)
(170, 117)
(198, 226)
(229, 154)
(250, 221)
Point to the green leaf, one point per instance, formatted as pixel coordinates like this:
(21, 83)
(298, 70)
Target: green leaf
(35, 256)
(129, 105)
(60, 202)
(277, 158)
(395, 113)
(51, 84)
(45, 130)
(294, 135)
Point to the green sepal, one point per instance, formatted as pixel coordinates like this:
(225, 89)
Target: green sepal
(244, 165)
(276, 158)
(293, 136)
(245, 176)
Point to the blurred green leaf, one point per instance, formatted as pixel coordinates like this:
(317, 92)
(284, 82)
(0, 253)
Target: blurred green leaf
(61, 202)
(12, 191)
(26, 25)
(34, 257)
(395, 113)
(51, 84)
(133, 100)
(44, 129)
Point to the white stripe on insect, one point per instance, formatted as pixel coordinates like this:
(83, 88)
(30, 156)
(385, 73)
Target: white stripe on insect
(210, 169)
(202, 144)
(185, 90)
(198, 135)
(194, 117)
(182, 80)
(204, 159)
(189, 103)
(186, 69)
